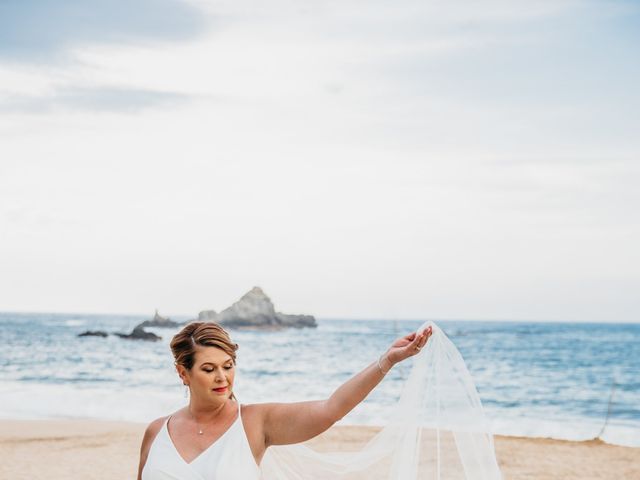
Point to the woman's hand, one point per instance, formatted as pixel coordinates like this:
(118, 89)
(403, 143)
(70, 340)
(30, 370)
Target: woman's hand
(407, 346)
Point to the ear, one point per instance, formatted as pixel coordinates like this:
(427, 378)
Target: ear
(183, 373)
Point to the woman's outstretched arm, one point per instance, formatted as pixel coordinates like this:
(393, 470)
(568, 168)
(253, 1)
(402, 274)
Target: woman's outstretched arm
(286, 423)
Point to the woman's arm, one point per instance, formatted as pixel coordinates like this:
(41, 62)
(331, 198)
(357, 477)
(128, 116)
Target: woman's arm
(286, 423)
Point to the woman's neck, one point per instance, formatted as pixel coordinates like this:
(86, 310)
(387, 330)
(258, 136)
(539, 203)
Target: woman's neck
(205, 412)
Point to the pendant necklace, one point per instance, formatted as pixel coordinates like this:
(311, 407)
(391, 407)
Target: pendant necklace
(200, 432)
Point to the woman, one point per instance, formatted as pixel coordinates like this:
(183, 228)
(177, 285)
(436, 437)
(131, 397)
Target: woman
(213, 437)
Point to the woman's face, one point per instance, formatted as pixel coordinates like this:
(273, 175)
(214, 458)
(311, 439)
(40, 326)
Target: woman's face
(211, 377)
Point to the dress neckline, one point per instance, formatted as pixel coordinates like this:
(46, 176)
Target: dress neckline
(215, 442)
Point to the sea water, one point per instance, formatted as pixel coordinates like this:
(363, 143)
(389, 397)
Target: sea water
(534, 379)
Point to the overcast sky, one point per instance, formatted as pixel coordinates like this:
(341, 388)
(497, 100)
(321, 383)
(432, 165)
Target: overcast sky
(355, 159)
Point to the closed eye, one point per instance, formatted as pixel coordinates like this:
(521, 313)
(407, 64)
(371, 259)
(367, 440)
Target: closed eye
(209, 370)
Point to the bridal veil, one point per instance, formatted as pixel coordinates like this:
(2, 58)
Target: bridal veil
(437, 430)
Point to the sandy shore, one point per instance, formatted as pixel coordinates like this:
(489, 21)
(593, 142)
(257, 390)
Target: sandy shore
(67, 449)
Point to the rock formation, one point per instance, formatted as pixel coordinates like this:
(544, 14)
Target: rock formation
(139, 333)
(159, 321)
(255, 310)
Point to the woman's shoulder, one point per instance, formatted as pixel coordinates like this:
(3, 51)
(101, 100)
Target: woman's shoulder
(250, 410)
(152, 430)
(254, 409)
(154, 427)
(150, 434)
(254, 415)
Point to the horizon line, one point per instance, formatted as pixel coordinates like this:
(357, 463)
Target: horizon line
(339, 318)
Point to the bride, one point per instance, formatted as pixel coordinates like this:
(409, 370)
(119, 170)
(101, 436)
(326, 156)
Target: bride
(214, 437)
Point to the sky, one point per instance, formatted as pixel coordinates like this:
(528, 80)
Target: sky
(355, 159)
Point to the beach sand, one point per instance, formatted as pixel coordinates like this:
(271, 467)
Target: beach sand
(67, 449)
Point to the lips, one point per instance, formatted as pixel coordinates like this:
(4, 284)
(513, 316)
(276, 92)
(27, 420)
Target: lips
(220, 390)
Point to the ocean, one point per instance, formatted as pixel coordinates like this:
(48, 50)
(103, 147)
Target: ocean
(553, 380)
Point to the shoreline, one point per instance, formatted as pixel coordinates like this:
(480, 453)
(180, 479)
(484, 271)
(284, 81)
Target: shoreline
(61, 449)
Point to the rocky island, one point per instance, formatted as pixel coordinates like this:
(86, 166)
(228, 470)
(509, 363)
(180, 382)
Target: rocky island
(255, 310)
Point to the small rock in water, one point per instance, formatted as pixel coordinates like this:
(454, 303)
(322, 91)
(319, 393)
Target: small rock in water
(160, 321)
(139, 333)
(93, 333)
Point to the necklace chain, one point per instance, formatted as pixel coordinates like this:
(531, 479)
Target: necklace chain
(200, 432)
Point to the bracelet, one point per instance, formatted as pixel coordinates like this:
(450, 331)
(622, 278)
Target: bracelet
(380, 366)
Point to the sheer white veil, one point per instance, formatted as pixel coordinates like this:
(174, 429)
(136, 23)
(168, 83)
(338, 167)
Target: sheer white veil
(436, 430)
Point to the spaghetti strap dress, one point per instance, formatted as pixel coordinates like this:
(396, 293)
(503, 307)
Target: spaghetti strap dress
(228, 458)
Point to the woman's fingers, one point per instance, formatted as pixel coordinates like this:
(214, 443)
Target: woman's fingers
(421, 340)
(414, 346)
(428, 332)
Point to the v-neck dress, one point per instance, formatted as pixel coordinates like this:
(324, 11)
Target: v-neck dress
(228, 458)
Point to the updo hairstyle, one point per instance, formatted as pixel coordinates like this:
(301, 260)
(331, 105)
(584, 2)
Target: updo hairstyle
(205, 334)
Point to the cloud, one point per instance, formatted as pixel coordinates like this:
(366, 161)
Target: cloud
(94, 99)
(420, 157)
(44, 30)
(46, 33)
